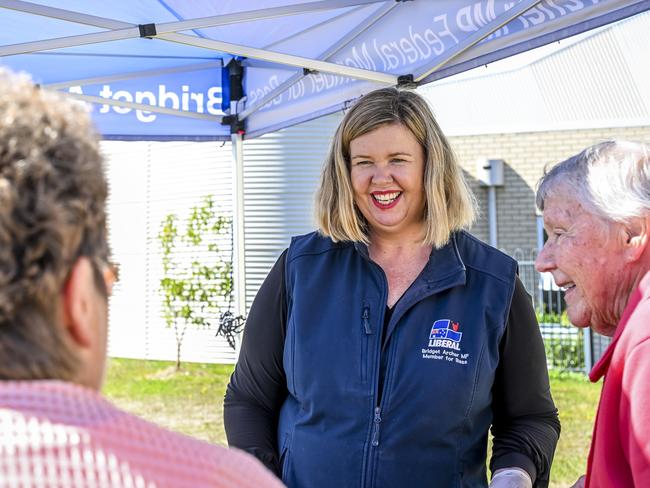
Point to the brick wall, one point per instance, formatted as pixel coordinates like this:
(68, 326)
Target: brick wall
(525, 155)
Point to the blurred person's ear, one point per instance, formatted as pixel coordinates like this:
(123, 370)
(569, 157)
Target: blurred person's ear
(85, 322)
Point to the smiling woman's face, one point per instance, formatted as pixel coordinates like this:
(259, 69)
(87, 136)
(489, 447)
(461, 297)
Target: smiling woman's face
(584, 252)
(387, 173)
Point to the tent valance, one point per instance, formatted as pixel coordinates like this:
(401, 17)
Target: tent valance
(153, 68)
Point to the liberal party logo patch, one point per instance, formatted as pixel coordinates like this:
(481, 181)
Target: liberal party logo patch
(444, 343)
(444, 333)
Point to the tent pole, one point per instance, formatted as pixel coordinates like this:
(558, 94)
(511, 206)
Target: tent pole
(239, 265)
(142, 106)
(259, 14)
(278, 58)
(314, 27)
(331, 51)
(133, 75)
(186, 24)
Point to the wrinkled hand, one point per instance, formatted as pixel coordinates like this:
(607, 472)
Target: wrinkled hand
(580, 483)
(511, 478)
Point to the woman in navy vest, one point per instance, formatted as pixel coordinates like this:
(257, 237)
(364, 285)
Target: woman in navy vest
(382, 348)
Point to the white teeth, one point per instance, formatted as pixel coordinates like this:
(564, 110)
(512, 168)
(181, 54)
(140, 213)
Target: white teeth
(386, 198)
(567, 286)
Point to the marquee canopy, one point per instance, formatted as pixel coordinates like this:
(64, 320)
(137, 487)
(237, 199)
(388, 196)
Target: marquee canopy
(172, 69)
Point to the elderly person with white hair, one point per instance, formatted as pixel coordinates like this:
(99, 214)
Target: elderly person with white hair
(596, 209)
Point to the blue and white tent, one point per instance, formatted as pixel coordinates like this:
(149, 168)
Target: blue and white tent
(236, 69)
(172, 69)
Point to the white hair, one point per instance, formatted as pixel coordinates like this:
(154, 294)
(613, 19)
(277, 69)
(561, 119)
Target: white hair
(611, 178)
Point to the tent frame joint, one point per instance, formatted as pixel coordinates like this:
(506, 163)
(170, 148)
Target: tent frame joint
(147, 30)
(236, 126)
(406, 81)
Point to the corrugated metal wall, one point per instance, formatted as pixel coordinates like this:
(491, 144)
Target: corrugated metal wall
(149, 180)
(281, 172)
(598, 81)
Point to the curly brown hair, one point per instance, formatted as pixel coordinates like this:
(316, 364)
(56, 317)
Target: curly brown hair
(52, 210)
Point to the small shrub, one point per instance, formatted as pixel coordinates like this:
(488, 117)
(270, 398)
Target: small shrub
(197, 279)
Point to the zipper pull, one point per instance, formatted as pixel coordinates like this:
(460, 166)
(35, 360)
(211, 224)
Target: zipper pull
(364, 318)
(375, 432)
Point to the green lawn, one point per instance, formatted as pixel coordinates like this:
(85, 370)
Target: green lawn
(576, 399)
(191, 402)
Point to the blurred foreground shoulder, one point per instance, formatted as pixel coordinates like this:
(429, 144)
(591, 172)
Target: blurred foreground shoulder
(73, 429)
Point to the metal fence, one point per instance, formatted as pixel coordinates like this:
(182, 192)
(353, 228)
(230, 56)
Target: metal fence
(567, 347)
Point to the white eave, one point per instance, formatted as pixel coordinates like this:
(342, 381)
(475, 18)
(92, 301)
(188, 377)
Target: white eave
(600, 80)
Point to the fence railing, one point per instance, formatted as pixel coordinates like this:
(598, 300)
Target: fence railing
(565, 345)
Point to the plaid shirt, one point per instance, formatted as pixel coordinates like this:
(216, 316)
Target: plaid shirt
(57, 434)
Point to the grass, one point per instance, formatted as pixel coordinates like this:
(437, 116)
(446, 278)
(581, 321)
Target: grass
(576, 399)
(191, 401)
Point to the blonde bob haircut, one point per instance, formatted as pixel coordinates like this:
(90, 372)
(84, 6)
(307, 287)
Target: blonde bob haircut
(450, 205)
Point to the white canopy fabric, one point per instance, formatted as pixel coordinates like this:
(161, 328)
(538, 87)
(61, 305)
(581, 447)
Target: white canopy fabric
(159, 69)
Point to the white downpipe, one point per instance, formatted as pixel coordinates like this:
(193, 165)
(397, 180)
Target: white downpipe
(239, 265)
(492, 215)
(589, 360)
(540, 246)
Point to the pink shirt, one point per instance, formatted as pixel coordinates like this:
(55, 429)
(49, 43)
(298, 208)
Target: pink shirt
(57, 434)
(620, 448)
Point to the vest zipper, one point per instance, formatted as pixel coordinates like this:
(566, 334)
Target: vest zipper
(365, 339)
(364, 318)
(375, 431)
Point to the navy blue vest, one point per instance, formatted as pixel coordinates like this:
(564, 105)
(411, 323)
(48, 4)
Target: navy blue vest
(441, 351)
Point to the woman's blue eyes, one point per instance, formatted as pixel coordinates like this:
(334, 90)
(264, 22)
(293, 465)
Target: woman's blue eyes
(362, 163)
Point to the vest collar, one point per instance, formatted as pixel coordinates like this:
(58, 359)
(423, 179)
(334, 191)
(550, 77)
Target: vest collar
(444, 269)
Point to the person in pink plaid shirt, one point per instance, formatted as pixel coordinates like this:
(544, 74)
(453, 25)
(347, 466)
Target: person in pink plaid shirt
(56, 430)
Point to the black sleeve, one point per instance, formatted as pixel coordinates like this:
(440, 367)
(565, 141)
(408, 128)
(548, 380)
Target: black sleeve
(525, 424)
(258, 386)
